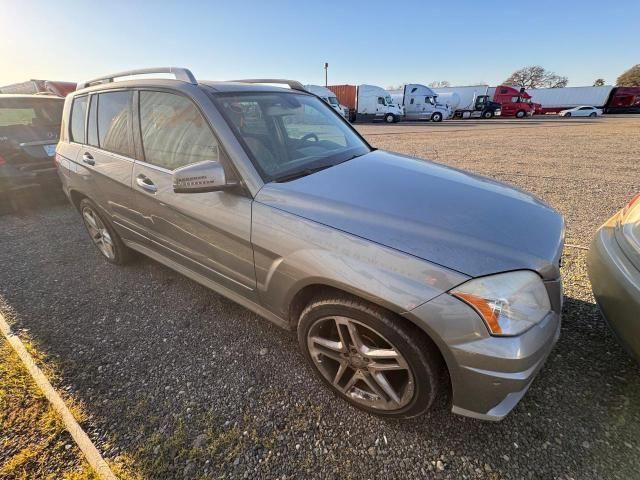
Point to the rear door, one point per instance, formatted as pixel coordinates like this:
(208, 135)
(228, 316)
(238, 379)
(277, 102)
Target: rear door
(208, 233)
(107, 154)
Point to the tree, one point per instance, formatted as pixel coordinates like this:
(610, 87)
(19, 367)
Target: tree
(536, 77)
(630, 78)
(440, 84)
(599, 82)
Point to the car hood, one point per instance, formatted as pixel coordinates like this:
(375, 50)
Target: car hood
(459, 220)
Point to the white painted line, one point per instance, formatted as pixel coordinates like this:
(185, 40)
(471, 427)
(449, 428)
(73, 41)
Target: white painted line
(89, 450)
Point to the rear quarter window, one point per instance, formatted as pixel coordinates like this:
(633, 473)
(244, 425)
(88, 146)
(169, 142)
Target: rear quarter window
(78, 117)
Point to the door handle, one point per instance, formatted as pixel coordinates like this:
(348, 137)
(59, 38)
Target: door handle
(88, 159)
(145, 183)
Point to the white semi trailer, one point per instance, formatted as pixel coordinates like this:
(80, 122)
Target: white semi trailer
(554, 100)
(329, 97)
(420, 103)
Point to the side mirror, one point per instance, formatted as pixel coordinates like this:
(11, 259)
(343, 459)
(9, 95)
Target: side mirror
(207, 176)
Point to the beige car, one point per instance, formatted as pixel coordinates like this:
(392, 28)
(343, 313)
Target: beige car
(614, 270)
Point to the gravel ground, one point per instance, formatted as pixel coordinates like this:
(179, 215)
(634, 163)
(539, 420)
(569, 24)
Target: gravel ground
(192, 385)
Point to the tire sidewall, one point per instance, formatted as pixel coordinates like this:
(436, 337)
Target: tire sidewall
(389, 118)
(487, 115)
(425, 374)
(520, 114)
(436, 117)
(119, 249)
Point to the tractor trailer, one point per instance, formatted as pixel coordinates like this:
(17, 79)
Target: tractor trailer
(367, 103)
(609, 98)
(420, 103)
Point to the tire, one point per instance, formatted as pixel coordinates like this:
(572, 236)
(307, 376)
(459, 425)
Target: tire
(390, 118)
(415, 382)
(436, 117)
(520, 114)
(568, 114)
(104, 237)
(487, 115)
(594, 114)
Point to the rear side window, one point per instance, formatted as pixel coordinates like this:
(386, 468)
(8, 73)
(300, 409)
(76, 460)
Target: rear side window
(114, 122)
(78, 115)
(174, 133)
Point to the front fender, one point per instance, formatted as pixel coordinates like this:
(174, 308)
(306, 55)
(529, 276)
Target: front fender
(292, 253)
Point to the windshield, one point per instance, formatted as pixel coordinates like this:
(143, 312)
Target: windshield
(333, 101)
(30, 112)
(388, 100)
(287, 133)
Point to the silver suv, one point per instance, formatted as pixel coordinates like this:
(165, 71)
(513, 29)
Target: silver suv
(397, 273)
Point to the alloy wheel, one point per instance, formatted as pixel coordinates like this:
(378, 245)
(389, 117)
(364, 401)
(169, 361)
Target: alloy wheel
(99, 233)
(361, 363)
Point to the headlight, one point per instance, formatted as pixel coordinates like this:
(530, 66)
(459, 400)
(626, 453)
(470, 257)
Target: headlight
(509, 303)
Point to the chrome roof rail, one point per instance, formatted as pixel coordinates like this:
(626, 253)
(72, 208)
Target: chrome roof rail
(181, 74)
(293, 84)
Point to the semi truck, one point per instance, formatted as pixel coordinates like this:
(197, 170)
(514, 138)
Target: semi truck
(329, 97)
(51, 87)
(471, 101)
(514, 102)
(420, 103)
(607, 97)
(367, 103)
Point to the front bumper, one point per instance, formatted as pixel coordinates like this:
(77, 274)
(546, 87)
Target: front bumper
(616, 286)
(489, 375)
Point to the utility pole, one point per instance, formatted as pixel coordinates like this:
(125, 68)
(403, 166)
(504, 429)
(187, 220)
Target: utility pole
(326, 68)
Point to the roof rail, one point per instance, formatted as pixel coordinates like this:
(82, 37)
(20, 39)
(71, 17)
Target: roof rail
(181, 74)
(293, 84)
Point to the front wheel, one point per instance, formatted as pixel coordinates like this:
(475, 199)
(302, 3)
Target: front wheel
(436, 117)
(487, 115)
(368, 357)
(390, 118)
(520, 114)
(568, 114)
(594, 114)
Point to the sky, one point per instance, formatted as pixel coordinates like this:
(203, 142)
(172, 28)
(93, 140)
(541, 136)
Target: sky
(381, 43)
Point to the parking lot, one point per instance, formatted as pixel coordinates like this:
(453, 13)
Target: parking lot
(191, 385)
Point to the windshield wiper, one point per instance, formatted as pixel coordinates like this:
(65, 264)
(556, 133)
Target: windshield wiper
(301, 173)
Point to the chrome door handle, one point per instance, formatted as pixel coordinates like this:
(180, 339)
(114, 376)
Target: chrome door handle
(145, 183)
(88, 159)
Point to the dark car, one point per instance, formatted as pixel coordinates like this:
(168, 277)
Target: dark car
(29, 132)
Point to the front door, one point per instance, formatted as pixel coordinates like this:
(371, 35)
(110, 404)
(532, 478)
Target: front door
(208, 233)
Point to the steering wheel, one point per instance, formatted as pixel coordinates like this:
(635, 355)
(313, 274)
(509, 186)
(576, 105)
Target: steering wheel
(309, 136)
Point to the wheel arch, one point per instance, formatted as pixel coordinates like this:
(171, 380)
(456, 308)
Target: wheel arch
(76, 197)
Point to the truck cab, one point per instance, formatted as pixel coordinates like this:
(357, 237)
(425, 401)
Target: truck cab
(329, 97)
(514, 102)
(375, 103)
(420, 103)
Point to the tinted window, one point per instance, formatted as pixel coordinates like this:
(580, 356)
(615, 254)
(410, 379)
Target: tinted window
(585, 108)
(78, 115)
(174, 133)
(381, 100)
(284, 133)
(92, 129)
(114, 122)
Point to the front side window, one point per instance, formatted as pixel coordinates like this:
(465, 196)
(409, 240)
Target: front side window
(114, 122)
(174, 133)
(78, 116)
(289, 133)
(381, 100)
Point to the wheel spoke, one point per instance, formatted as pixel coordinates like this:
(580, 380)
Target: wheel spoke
(354, 335)
(379, 379)
(326, 343)
(342, 369)
(380, 353)
(374, 385)
(88, 216)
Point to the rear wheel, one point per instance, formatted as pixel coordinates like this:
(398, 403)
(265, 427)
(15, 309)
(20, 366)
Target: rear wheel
(520, 114)
(436, 117)
(103, 235)
(367, 357)
(389, 118)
